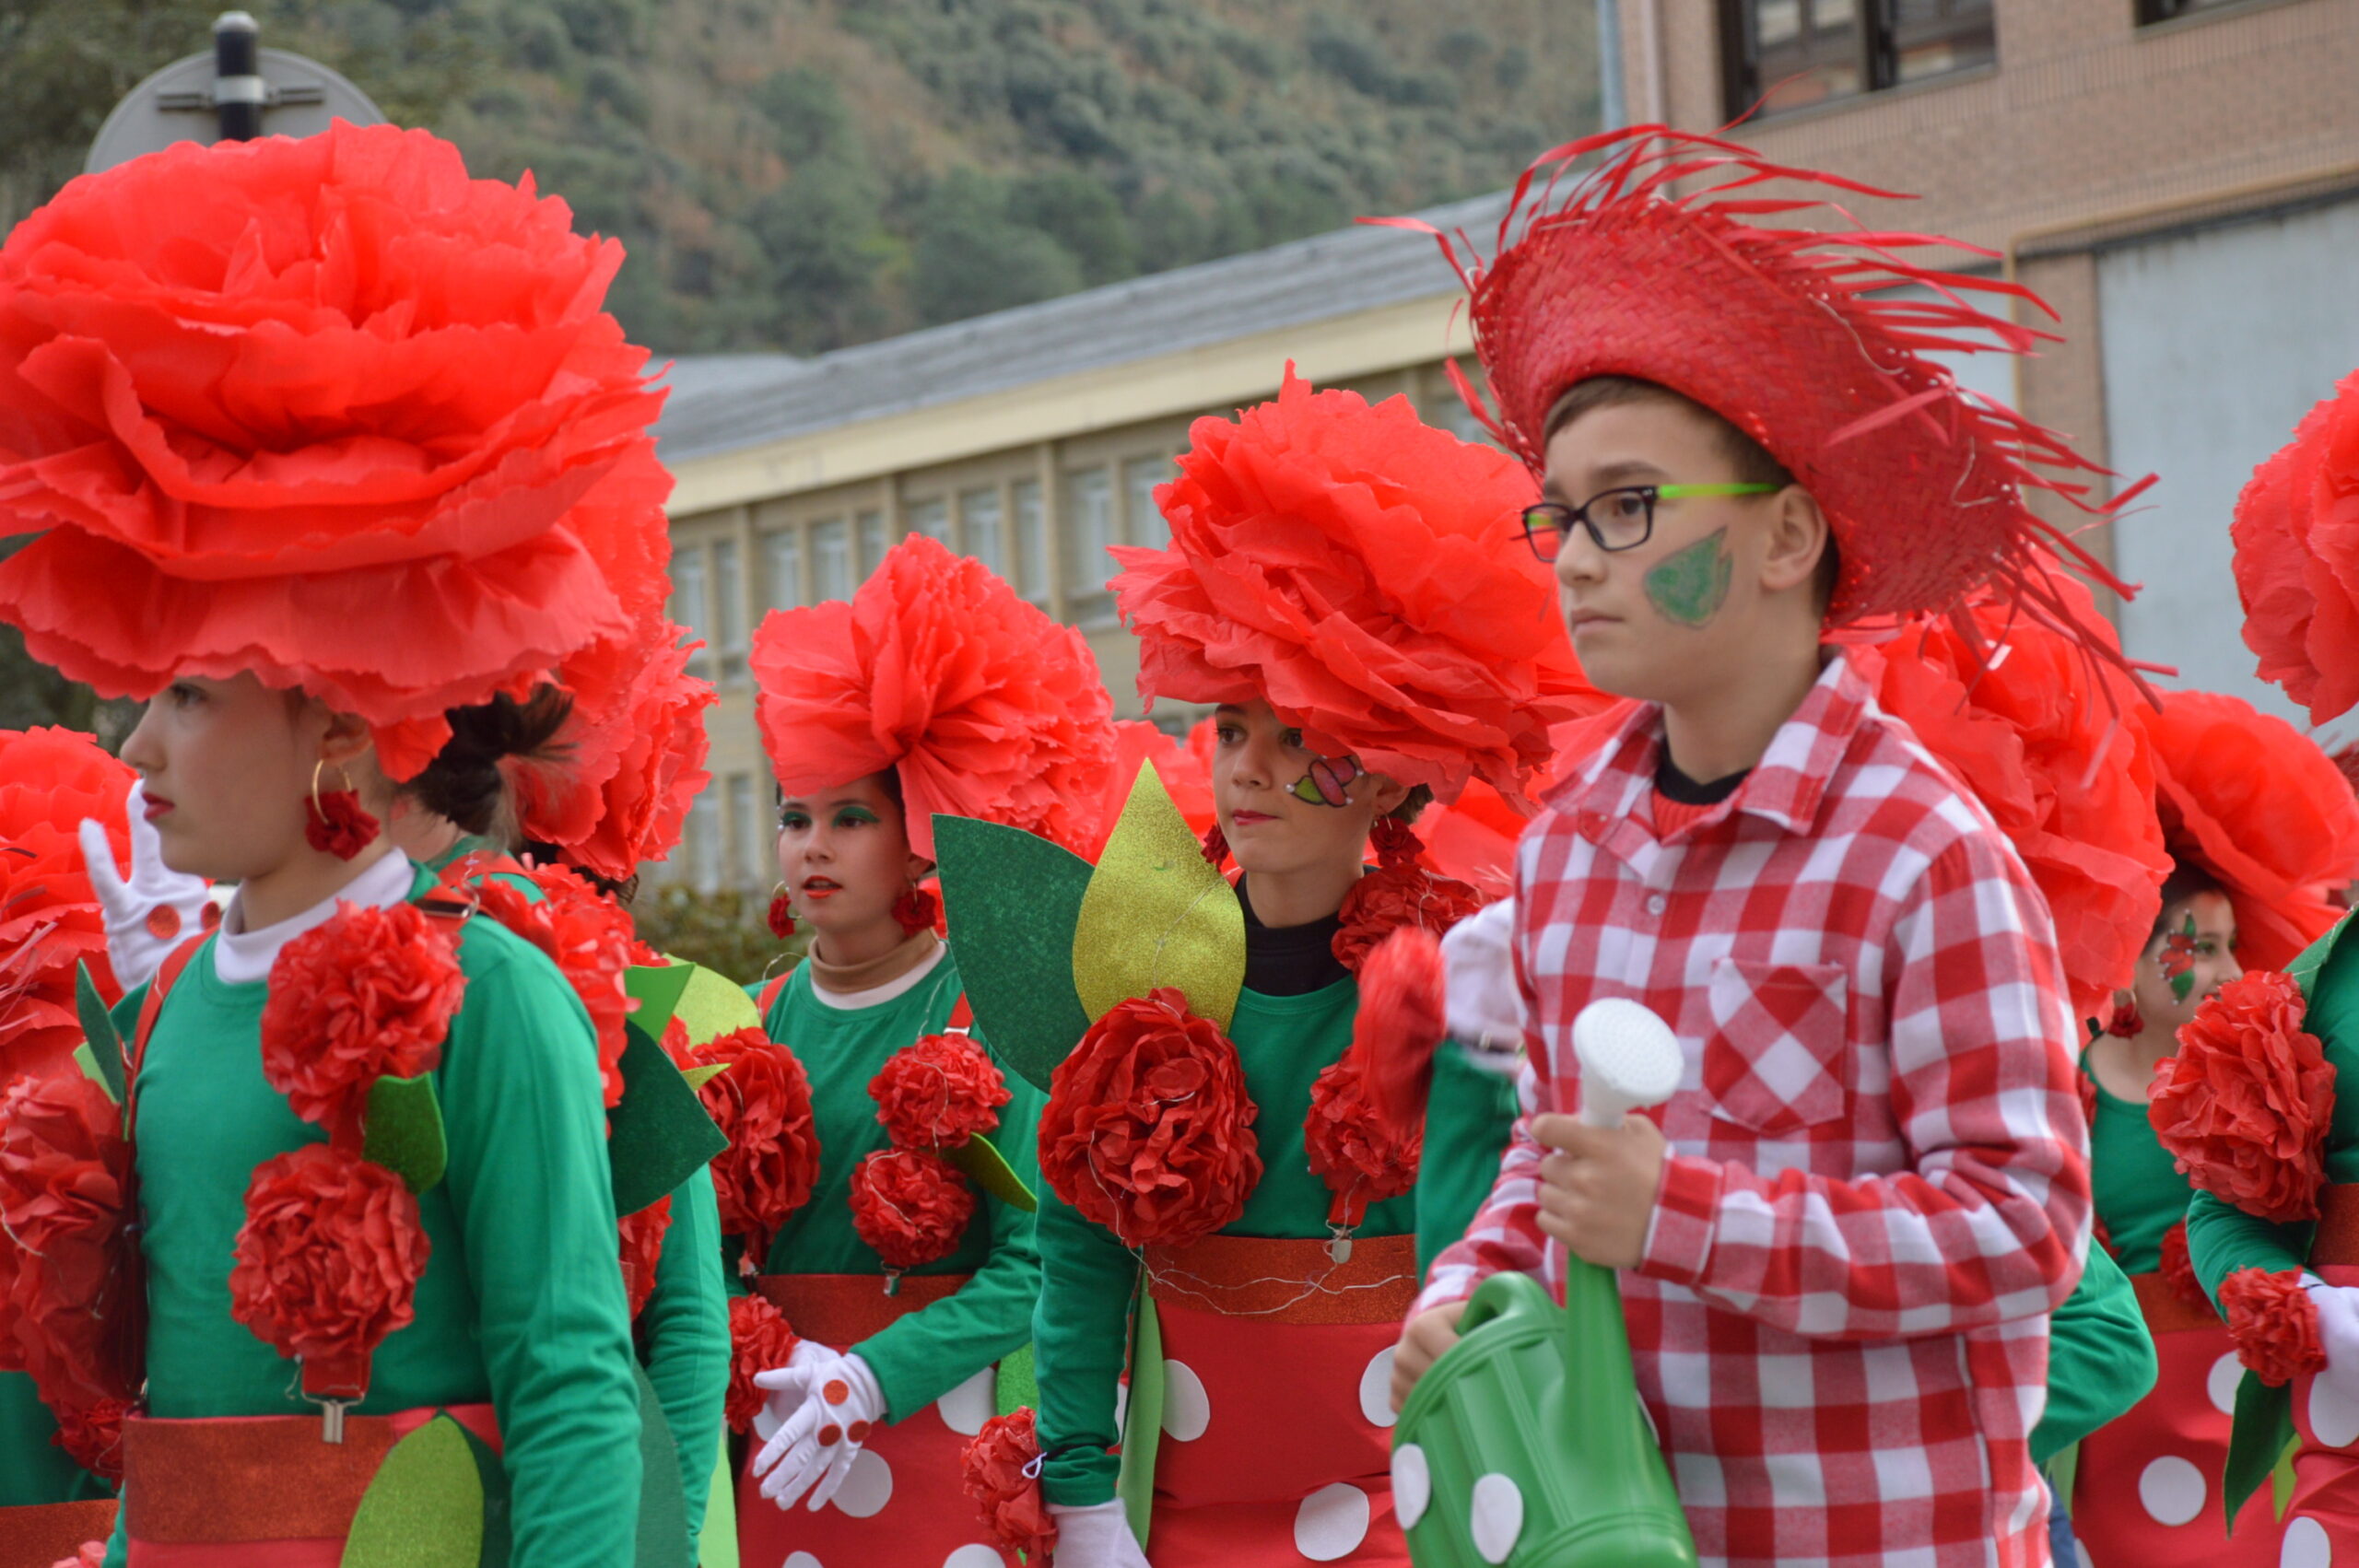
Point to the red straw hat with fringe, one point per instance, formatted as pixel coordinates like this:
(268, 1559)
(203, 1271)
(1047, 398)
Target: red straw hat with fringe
(1796, 337)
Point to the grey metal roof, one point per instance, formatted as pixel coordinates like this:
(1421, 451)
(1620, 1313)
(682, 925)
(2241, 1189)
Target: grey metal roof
(726, 403)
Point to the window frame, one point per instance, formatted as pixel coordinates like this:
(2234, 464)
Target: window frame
(1878, 56)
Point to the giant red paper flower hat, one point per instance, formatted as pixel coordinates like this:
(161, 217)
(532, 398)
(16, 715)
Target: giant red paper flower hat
(2255, 803)
(1808, 341)
(2297, 558)
(1360, 571)
(983, 706)
(50, 921)
(329, 411)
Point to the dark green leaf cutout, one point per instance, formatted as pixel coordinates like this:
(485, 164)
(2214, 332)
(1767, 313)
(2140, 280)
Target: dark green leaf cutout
(657, 987)
(664, 1539)
(658, 1134)
(405, 1130)
(1014, 900)
(98, 1032)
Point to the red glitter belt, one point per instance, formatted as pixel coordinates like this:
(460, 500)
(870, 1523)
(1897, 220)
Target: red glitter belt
(42, 1533)
(843, 1309)
(2338, 1235)
(1287, 1279)
(2166, 1310)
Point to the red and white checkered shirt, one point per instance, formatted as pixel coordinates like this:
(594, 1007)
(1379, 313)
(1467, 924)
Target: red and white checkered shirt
(1878, 1186)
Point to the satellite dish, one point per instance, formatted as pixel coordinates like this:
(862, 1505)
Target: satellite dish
(236, 89)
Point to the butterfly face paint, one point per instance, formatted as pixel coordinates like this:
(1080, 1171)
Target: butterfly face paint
(1689, 586)
(1328, 778)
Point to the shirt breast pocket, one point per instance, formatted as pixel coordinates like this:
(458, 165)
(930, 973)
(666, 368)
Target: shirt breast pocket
(1778, 1059)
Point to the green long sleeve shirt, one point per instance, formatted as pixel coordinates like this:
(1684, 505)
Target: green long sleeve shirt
(684, 1336)
(522, 1303)
(1081, 1329)
(33, 1470)
(926, 1353)
(1470, 1115)
(2100, 1358)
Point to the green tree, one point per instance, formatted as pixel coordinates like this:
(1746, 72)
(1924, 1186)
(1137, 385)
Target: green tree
(972, 257)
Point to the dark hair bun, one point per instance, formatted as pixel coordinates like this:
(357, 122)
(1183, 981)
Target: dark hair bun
(464, 781)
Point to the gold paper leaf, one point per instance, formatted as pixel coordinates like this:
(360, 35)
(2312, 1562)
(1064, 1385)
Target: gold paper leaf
(1157, 914)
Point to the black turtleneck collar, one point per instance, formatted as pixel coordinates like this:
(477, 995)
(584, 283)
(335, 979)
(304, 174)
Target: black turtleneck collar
(1289, 960)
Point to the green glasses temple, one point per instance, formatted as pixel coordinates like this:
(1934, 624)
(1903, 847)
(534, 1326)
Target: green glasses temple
(1674, 492)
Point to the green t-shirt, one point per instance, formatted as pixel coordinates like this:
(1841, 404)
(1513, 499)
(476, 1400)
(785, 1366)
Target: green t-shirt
(1469, 1116)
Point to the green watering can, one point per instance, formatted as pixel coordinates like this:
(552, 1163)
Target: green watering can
(1525, 1444)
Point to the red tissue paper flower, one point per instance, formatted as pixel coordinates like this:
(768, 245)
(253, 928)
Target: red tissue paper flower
(50, 919)
(64, 1175)
(90, 1554)
(2179, 1270)
(369, 994)
(1362, 1158)
(761, 1102)
(329, 1259)
(1001, 1473)
(1401, 1018)
(1385, 901)
(92, 1435)
(2244, 1105)
(641, 1238)
(2273, 1322)
(328, 410)
(2296, 572)
(760, 1339)
(910, 1205)
(938, 1093)
(983, 706)
(590, 939)
(1148, 1131)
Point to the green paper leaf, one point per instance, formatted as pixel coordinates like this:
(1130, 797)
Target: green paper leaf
(699, 1077)
(1157, 913)
(663, 1540)
(656, 987)
(405, 1130)
(94, 1069)
(712, 1005)
(1015, 1384)
(1014, 900)
(981, 1160)
(425, 1506)
(2305, 968)
(1143, 1421)
(498, 1507)
(658, 1134)
(2264, 1425)
(98, 1032)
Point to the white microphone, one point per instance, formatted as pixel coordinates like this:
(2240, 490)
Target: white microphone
(1629, 1059)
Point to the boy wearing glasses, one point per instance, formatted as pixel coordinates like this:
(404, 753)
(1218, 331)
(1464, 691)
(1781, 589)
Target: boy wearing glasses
(1841, 1240)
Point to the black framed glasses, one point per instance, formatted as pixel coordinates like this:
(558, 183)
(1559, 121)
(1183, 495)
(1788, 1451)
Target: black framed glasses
(1619, 519)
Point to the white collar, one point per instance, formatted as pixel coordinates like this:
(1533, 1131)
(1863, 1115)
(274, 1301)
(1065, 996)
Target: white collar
(241, 958)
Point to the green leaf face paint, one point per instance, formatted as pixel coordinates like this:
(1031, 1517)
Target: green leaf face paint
(1689, 586)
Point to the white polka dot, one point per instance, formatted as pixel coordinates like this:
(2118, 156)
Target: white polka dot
(971, 1556)
(1187, 1409)
(1496, 1517)
(2226, 1374)
(2171, 1490)
(966, 1408)
(1332, 1522)
(800, 1560)
(1413, 1484)
(2334, 1415)
(2307, 1545)
(2081, 1554)
(1121, 1405)
(1376, 1389)
(868, 1486)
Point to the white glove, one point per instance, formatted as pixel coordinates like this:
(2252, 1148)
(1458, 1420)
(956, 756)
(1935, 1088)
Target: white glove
(832, 1401)
(156, 909)
(1096, 1536)
(2338, 1332)
(1483, 1008)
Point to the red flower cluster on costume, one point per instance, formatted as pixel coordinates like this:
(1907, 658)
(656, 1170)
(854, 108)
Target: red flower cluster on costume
(2296, 571)
(2179, 1270)
(1357, 568)
(761, 1102)
(590, 939)
(2257, 804)
(938, 1093)
(2244, 1105)
(329, 1259)
(1386, 901)
(64, 1315)
(49, 918)
(1149, 1131)
(1001, 1472)
(910, 1205)
(2273, 1322)
(370, 993)
(1356, 1152)
(983, 706)
(92, 1435)
(640, 1238)
(760, 1339)
(326, 410)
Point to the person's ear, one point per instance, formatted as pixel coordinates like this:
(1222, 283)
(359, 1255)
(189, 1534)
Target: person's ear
(344, 740)
(920, 868)
(1795, 539)
(1383, 793)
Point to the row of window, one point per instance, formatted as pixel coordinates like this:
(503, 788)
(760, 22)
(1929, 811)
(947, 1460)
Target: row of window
(727, 838)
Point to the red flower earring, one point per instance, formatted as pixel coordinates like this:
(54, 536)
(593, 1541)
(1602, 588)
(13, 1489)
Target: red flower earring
(1396, 845)
(1216, 846)
(2128, 1022)
(337, 823)
(781, 915)
(915, 910)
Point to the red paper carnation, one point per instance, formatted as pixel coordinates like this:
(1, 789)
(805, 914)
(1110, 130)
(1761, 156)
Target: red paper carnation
(2296, 566)
(367, 994)
(2244, 1105)
(92, 1435)
(1359, 571)
(910, 1205)
(761, 1102)
(641, 1237)
(2255, 803)
(1361, 1158)
(2273, 1322)
(50, 919)
(1001, 1473)
(64, 1175)
(589, 938)
(329, 1259)
(326, 410)
(938, 1093)
(1401, 1018)
(760, 1339)
(985, 707)
(2066, 776)
(2179, 1270)
(1385, 901)
(1148, 1131)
